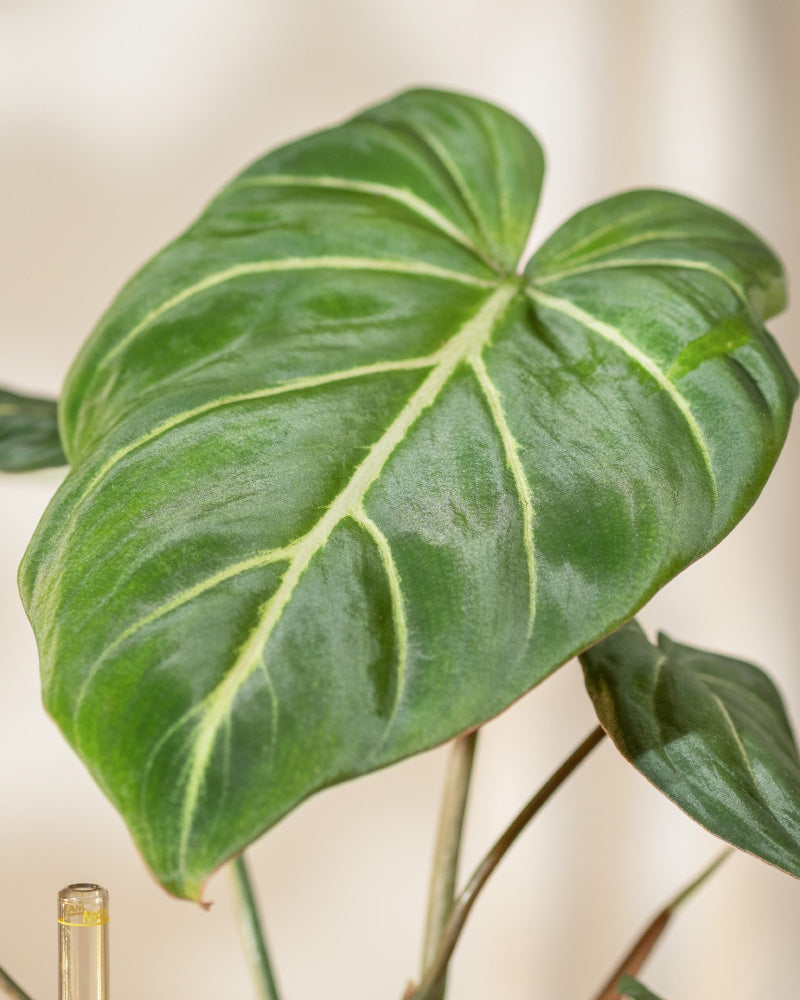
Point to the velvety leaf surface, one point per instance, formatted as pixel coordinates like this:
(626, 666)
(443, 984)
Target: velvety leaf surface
(345, 484)
(28, 433)
(708, 731)
(632, 988)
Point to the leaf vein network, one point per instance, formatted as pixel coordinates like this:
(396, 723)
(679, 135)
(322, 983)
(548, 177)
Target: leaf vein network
(401, 196)
(675, 263)
(218, 703)
(523, 489)
(276, 265)
(446, 164)
(400, 625)
(614, 336)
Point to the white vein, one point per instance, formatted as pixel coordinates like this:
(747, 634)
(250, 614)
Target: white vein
(762, 707)
(678, 263)
(295, 385)
(282, 388)
(657, 668)
(403, 267)
(398, 606)
(250, 657)
(595, 234)
(401, 196)
(614, 336)
(182, 776)
(455, 175)
(257, 561)
(739, 689)
(735, 733)
(511, 452)
(501, 188)
(654, 236)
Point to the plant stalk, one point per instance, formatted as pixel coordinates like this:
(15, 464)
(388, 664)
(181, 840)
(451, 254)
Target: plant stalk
(11, 989)
(252, 932)
(436, 972)
(639, 953)
(444, 873)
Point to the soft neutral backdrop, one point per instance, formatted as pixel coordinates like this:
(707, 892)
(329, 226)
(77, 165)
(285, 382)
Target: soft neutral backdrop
(118, 119)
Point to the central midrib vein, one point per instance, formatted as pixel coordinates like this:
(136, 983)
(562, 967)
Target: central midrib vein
(470, 338)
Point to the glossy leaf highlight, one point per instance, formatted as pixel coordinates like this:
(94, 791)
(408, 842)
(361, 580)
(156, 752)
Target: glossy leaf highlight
(708, 731)
(346, 484)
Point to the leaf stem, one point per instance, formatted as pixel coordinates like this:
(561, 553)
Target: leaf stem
(252, 933)
(639, 953)
(444, 873)
(11, 989)
(437, 970)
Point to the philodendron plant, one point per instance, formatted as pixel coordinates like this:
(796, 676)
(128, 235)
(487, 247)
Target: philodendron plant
(347, 479)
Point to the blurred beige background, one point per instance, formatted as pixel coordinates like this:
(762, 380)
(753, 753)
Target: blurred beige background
(118, 119)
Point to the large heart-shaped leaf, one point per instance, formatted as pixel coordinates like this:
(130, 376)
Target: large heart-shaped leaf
(708, 731)
(344, 484)
(28, 433)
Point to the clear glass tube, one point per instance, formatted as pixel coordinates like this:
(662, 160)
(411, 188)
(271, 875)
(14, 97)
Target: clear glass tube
(83, 942)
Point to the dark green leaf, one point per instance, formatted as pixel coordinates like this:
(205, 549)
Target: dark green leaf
(345, 484)
(28, 433)
(630, 987)
(708, 731)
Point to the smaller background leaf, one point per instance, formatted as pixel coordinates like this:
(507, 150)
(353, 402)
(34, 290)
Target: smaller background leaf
(707, 730)
(630, 987)
(28, 433)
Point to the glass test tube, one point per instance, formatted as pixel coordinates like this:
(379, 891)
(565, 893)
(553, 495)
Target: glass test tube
(83, 942)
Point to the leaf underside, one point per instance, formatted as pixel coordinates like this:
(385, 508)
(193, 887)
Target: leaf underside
(28, 433)
(345, 483)
(708, 731)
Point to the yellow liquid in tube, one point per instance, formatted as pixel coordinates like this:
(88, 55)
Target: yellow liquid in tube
(83, 942)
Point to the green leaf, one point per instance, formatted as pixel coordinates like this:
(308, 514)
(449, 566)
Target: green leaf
(28, 433)
(708, 731)
(630, 987)
(345, 484)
